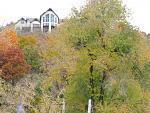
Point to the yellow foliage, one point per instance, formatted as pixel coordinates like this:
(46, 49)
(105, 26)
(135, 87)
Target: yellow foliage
(143, 49)
(27, 40)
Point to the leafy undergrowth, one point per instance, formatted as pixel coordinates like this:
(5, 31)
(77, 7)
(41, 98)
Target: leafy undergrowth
(34, 99)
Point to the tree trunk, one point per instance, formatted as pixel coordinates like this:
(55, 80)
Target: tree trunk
(102, 87)
(91, 80)
(92, 87)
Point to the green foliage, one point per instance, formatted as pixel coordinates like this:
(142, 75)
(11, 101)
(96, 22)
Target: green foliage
(77, 94)
(37, 100)
(107, 49)
(26, 40)
(31, 110)
(30, 48)
(38, 91)
(124, 92)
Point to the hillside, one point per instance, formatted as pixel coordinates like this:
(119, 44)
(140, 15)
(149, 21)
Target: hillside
(94, 55)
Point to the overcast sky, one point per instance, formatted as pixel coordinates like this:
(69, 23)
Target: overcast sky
(12, 10)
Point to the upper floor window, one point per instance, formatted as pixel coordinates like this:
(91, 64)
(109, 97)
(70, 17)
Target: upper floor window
(55, 20)
(47, 18)
(22, 22)
(52, 18)
(43, 19)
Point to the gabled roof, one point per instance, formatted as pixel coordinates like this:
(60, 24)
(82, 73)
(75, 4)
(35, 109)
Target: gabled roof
(20, 20)
(47, 11)
(30, 19)
(33, 19)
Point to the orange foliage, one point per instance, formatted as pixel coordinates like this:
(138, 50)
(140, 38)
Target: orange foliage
(11, 36)
(12, 61)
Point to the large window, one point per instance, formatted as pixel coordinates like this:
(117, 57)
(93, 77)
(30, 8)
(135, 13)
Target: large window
(52, 18)
(43, 19)
(47, 18)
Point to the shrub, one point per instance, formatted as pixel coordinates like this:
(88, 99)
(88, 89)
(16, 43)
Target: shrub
(30, 49)
(26, 40)
(12, 62)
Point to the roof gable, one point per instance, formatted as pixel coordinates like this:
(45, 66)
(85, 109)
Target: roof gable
(47, 11)
(30, 19)
(35, 19)
(21, 19)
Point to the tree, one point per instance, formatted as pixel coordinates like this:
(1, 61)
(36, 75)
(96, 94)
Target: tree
(12, 62)
(107, 48)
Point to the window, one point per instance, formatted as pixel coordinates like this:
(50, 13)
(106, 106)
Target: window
(52, 18)
(46, 24)
(43, 19)
(47, 18)
(36, 25)
(22, 22)
(55, 20)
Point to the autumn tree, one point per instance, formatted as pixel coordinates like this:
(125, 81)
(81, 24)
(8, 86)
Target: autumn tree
(12, 62)
(108, 52)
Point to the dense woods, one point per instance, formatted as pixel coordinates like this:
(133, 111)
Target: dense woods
(95, 54)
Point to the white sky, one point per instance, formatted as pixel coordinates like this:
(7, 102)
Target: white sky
(12, 10)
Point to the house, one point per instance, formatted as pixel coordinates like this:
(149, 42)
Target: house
(20, 24)
(27, 25)
(48, 20)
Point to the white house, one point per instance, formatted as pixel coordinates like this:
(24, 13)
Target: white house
(27, 25)
(48, 20)
(20, 24)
